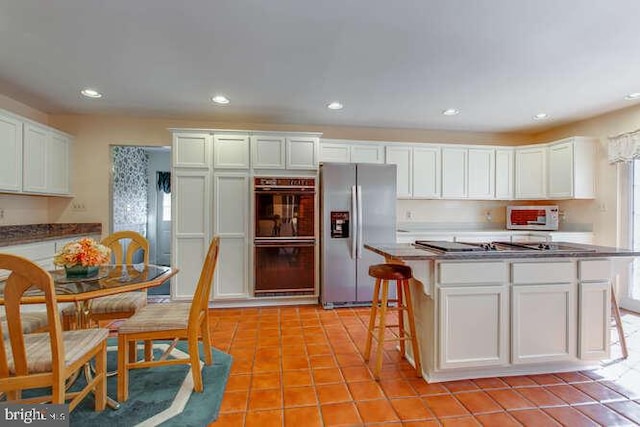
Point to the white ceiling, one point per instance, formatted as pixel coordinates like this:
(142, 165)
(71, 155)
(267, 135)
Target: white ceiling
(392, 63)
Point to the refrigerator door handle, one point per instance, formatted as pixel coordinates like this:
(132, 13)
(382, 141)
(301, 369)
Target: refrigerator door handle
(354, 234)
(360, 236)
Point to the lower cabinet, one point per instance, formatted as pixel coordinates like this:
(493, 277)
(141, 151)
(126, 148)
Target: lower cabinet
(543, 322)
(473, 326)
(595, 312)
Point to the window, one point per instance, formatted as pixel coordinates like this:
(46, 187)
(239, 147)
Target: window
(166, 206)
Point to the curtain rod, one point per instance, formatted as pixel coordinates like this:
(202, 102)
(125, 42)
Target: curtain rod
(624, 133)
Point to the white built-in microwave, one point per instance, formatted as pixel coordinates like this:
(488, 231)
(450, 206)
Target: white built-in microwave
(532, 217)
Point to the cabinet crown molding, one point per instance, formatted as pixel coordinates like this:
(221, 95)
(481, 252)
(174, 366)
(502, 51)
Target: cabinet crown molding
(243, 132)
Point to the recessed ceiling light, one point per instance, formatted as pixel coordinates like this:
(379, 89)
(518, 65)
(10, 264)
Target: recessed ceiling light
(91, 93)
(631, 96)
(541, 116)
(451, 112)
(335, 106)
(220, 99)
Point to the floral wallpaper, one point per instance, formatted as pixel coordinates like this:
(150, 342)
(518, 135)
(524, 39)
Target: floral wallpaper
(130, 166)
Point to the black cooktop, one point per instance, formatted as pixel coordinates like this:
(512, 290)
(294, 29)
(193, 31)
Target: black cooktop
(443, 245)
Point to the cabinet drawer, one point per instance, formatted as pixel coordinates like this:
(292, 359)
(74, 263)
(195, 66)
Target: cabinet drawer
(543, 272)
(472, 272)
(597, 269)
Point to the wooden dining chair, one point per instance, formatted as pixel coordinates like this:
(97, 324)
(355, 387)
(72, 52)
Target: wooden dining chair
(173, 321)
(46, 359)
(124, 245)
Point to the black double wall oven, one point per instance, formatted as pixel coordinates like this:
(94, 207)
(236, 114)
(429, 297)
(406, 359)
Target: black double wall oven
(285, 240)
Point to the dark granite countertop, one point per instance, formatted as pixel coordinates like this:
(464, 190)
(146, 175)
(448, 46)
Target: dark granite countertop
(406, 251)
(20, 234)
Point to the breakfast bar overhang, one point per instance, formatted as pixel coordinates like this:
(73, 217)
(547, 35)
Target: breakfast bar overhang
(486, 313)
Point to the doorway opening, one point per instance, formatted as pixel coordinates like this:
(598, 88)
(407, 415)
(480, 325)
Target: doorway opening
(141, 200)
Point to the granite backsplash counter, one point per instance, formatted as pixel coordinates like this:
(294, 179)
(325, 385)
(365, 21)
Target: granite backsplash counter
(20, 234)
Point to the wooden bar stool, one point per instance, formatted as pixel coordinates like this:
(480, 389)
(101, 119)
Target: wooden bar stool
(383, 273)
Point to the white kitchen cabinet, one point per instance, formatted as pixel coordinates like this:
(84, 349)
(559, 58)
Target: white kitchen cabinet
(504, 173)
(401, 156)
(231, 151)
(191, 150)
(344, 151)
(34, 173)
(45, 160)
(571, 171)
(543, 310)
(426, 172)
(531, 172)
(231, 223)
(190, 213)
(472, 293)
(468, 173)
(481, 173)
(268, 152)
(484, 344)
(302, 152)
(544, 328)
(11, 149)
(58, 165)
(454, 172)
(594, 309)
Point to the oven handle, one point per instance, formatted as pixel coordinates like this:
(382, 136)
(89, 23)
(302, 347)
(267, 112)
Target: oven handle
(354, 214)
(360, 236)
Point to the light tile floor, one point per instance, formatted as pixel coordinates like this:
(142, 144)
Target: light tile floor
(303, 366)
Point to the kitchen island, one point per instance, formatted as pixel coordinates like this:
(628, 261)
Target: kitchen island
(486, 313)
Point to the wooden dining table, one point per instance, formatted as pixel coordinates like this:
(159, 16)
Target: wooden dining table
(110, 280)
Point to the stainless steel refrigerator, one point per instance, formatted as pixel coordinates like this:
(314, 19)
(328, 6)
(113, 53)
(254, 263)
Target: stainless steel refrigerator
(358, 206)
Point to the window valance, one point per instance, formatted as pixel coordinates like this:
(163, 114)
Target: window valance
(624, 147)
(164, 181)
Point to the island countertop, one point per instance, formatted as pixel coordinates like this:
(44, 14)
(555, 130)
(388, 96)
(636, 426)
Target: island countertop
(407, 251)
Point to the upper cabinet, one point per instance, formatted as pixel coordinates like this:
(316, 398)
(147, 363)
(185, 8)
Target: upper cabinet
(191, 150)
(11, 148)
(35, 157)
(571, 168)
(402, 156)
(231, 151)
(344, 151)
(531, 172)
(468, 173)
(504, 173)
(425, 172)
(563, 169)
(302, 152)
(268, 151)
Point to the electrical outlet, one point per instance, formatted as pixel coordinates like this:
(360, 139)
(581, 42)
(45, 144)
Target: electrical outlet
(78, 207)
(1, 213)
(408, 215)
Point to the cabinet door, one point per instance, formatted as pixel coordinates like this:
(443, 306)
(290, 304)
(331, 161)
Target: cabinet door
(561, 170)
(11, 149)
(367, 153)
(191, 150)
(543, 322)
(426, 172)
(336, 153)
(231, 151)
(268, 152)
(504, 174)
(401, 157)
(594, 317)
(58, 164)
(484, 344)
(302, 153)
(231, 223)
(531, 173)
(454, 173)
(190, 228)
(34, 176)
(481, 173)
